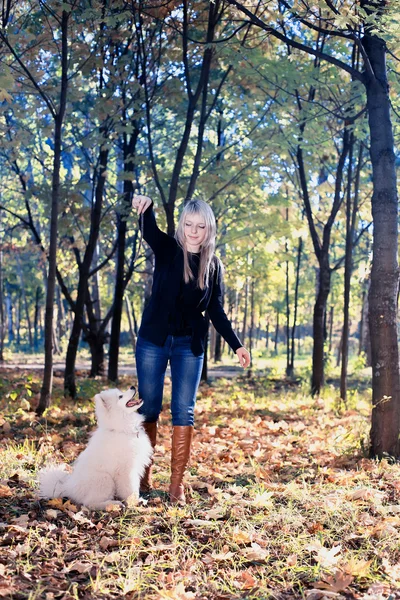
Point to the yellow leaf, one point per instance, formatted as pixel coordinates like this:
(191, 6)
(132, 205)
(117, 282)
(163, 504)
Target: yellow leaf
(241, 537)
(357, 568)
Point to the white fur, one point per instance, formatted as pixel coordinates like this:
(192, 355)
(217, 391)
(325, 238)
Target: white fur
(112, 464)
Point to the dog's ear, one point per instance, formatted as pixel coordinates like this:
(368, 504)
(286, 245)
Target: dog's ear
(102, 399)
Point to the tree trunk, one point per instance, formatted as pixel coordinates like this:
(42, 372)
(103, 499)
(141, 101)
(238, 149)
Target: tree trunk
(2, 320)
(289, 372)
(331, 313)
(36, 323)
(385, 272)
(9, 313)
(47, 383)
(132, 332)
(251, 332)
(296, 301)
(276, 332)
(25, 300)
(324, 283)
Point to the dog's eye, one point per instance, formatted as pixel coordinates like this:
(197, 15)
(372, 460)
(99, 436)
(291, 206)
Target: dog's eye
(121, 396)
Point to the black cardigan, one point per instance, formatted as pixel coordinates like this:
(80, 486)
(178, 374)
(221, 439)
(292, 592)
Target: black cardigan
(168, 273)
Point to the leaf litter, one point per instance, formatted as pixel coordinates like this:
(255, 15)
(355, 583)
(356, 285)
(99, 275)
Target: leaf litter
(283, 505)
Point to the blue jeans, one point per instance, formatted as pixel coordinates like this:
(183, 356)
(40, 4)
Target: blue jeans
(151, 365)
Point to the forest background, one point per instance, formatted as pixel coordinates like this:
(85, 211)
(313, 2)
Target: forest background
(284, 116)
(202, 100)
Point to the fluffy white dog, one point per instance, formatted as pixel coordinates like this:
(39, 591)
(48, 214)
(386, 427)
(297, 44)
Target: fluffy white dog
(114, 461)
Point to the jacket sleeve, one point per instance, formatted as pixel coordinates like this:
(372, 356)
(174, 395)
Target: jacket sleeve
(217, 314)
(152, 234)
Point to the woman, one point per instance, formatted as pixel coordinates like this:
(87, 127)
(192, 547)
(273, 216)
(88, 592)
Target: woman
(186, 283)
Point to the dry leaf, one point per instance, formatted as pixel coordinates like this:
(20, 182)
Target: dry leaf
(255, 553)
(5, 491)
(51, 513)
(178, 593)
(245, 581)
(325, 557)
(221, 556)
(80, 566)
(56, 503)
(357, 568)
(215, 513)
(107, 542)
(368, 495)
(263, 500)
(392, 570)
(291, 560)
(335, 583)
(241, 537)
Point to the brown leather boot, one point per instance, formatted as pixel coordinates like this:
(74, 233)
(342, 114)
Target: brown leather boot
(145, 482)
(182, 436)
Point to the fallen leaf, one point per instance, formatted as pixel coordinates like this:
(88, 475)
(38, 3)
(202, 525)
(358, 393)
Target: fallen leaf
(357, 568)
(81, 567)
(107, 542)
(255, 553)
(291, 560)
(178, 593)
(335, 583)
(245, 581)
(5, 491)
(221, 556)
(392, 570)
(241, 537)
(325, 557)
(51, 513)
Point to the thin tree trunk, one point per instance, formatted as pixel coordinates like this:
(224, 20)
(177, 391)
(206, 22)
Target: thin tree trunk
(331, 312)
(246, 301)
(296, 301)
(36, 323)
(25, 300)
(47, 383)
(132, 333)
(348, 267)
(287, 300)
(276, 332)
(251, 332)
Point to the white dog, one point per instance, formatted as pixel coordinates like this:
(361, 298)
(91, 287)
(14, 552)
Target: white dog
(114, 461)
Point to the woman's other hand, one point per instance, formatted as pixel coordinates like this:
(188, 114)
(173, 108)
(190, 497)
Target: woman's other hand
(141, 203)
(243, 356)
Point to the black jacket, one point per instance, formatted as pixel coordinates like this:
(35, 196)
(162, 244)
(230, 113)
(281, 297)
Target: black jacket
(168, 273)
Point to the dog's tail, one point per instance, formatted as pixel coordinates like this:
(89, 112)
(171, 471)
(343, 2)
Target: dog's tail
(52, 480)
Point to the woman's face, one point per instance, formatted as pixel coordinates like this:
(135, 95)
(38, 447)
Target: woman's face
(195, 232)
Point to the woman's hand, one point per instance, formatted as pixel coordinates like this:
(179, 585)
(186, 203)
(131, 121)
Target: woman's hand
(243, 356)
(141, 203)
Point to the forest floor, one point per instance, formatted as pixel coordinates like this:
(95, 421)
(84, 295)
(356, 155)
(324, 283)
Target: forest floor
(283, 504)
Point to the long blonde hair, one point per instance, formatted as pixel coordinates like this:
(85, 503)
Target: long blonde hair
(207, 249)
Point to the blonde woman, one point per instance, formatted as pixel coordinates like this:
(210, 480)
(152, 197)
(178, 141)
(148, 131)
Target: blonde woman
(186, 283)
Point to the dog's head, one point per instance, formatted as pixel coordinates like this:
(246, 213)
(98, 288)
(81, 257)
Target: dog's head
(113, 405)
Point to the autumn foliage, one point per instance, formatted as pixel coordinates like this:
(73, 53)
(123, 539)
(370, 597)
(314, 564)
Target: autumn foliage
(283, 503)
